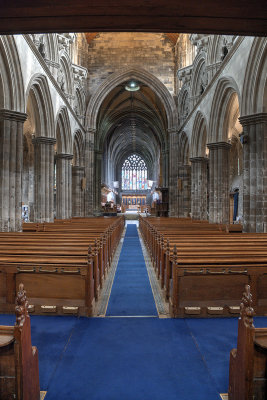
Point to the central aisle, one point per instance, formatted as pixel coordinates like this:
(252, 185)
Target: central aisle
(131, 293)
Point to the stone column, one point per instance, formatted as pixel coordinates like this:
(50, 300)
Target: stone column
(89, 172)
(98, 166)
(219, 199)
(165, 168)
(77, 191)
(63, 186)
(255, 172)
(173, 173)
(199, 183)
(44, 178)
(11, 160)
(184, 190)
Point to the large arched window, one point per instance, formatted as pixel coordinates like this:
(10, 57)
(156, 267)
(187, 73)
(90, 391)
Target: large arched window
(134, 173)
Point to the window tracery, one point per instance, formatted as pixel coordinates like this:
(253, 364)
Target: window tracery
(134, 173)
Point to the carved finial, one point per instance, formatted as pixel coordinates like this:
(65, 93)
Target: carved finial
(174, 254)
(168, 247)
(89, 253)
(96, 246)
(246, 309)
(21, 308)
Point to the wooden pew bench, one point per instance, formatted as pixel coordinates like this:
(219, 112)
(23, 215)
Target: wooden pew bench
(194, 266)
(19, 369)
(248, 362)
(63, 271)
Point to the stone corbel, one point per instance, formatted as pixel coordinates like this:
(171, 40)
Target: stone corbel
(80, 73)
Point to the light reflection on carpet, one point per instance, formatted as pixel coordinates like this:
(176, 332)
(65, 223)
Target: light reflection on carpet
(42, 395)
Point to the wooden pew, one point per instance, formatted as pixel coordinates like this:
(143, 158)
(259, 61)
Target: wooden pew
(248, 362)
(19, 369)
(203, 268)
(63, 269)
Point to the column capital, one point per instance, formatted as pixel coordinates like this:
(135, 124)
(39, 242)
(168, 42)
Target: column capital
(78, 168)
(12, 115)
(43, 140)
(219, 145)
(64, 156)
(253, 119)
(198, 159)
(172, 131)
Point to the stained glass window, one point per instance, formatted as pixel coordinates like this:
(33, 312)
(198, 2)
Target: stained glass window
(134, 173)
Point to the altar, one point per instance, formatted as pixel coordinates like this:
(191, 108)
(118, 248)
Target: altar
(133, 202)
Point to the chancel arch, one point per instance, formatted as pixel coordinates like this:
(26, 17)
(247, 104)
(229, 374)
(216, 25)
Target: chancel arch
(129, 122)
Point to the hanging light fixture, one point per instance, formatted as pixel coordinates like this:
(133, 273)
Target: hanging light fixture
(132, 86)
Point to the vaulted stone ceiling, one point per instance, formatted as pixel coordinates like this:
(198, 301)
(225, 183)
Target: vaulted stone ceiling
(132, 122)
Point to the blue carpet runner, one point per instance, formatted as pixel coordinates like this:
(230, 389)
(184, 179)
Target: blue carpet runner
(131, 294)
(133, 358)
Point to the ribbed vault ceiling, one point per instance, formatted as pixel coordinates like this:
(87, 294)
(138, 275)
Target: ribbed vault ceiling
(132, 122)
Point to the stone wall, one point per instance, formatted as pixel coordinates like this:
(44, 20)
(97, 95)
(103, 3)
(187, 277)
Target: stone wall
(109, 52)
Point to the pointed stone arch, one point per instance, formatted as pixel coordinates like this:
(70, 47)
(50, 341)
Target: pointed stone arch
(225, 90)
(11, 81)
(183, 148)
(254, 96)
(199, 136)
(125, 75)
(78, 149)
(63, 132)
(39, 95)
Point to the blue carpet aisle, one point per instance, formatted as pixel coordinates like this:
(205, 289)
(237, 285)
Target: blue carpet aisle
(131, 294)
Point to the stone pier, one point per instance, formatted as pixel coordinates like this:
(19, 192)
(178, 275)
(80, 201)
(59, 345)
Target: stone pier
(173, 174)
(63, 186)
(255, 172)
(199, 180)
(219, 196)
(11, 159)
(77, 191)
(44, 178)
(184, 190)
